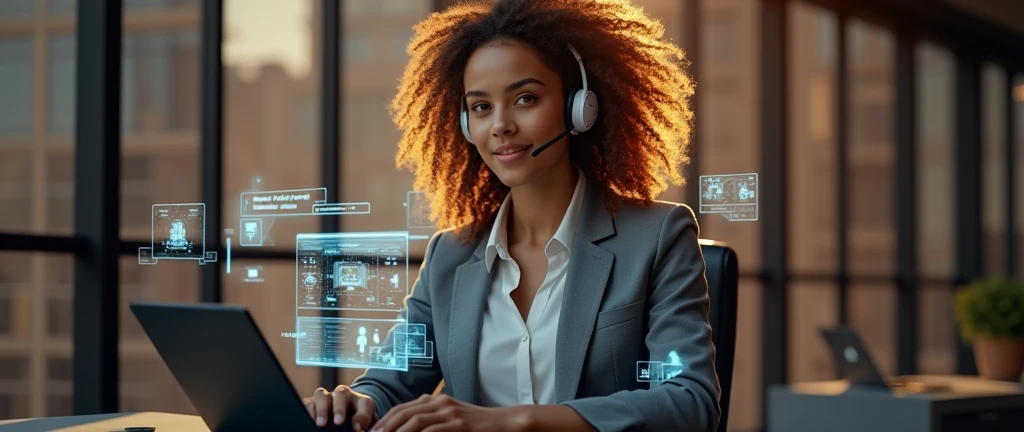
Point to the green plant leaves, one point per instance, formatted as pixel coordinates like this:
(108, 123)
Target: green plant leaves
(991, 307)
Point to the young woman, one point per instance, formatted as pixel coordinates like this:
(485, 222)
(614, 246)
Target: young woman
(556, 271)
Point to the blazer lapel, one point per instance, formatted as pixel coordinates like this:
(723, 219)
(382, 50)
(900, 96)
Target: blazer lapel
(469, 298)
(585, 283)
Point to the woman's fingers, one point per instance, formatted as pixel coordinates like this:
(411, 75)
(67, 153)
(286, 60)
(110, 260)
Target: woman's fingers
(322, 403)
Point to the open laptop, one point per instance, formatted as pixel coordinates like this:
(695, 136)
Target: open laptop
(227, 370)
(854, 364)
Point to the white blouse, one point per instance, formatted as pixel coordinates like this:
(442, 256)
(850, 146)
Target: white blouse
(517, 358)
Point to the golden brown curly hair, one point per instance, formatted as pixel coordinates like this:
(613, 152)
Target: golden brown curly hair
(638, 142)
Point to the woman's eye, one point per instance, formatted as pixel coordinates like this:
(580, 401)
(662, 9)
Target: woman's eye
(480, 107)
(527, 98)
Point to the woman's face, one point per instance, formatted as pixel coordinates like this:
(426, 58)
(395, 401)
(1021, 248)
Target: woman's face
(515, 105)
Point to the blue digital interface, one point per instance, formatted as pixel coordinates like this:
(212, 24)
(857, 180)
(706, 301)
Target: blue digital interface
(352, 271)
(178, 232)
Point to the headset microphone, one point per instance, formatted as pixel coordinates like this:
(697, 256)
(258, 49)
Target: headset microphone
(550, 143)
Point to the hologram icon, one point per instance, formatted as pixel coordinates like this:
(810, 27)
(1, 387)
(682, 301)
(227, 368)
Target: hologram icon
(178, 231)
(252, 232)
(361, 340)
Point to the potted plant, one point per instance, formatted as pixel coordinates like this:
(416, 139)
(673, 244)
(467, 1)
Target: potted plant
(990, 313)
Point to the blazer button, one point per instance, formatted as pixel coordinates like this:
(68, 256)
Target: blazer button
(525, 337)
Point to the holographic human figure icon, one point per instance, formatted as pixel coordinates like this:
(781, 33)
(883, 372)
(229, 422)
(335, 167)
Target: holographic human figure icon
(376, 336)
(361, 340)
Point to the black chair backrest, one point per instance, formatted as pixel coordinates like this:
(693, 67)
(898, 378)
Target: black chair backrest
(722, 273)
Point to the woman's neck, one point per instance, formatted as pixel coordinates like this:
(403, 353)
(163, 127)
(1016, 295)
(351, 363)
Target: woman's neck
(537, 209)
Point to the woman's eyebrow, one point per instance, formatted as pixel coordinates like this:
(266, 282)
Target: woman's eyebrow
(510, 88)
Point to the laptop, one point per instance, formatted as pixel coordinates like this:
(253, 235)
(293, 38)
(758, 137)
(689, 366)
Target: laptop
(854, 364)
(225, 367)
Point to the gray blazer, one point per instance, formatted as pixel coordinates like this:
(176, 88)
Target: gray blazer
(635, 290)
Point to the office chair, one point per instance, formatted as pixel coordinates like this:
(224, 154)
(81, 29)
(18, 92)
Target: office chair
(722, 273)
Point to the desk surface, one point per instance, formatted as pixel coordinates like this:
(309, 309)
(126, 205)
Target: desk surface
(163, 422)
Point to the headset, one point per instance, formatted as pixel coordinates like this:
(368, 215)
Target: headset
(580, 110)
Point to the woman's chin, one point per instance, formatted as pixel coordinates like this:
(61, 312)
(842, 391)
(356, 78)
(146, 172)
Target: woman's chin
(515, 177)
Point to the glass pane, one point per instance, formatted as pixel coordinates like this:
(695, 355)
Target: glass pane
(936, 168)
(63, 7)
(13, 9)
(811, 307)
(257, 285)
(993, 169)
(160, 89)
(35, 331)
(17, 84)
(873, 316)
(369, 137)
(16, 189)
(812, 146)
(936, 352)
(158, 5)
(145, 382)
(271, 110)
(871, 149)
(18, 149)
(729, 93)
(1018, 127)
(61, 86)
(745, 403)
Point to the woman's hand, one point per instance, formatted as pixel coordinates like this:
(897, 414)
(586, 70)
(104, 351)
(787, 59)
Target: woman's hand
(442, 413)
(324, 405)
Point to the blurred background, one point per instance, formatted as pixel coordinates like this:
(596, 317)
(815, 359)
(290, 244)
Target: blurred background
(888, 136)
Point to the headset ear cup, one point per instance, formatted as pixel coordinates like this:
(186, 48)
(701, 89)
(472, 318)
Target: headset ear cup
(570, 107)
(584, 113)
(464, 125)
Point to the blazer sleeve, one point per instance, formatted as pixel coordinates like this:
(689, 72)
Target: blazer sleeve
(678, 323)
(393, 387)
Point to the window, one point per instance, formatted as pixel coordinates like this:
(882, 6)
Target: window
(13, 9)
(936, 170)
(871, 150)
(356, 48)
(60, 192)
(719, 39)
(160, 81)
(17, 77)
(58, 368)
(812, 149)
(13, 368)
(993, 169)
(61, 86)
(16, 190)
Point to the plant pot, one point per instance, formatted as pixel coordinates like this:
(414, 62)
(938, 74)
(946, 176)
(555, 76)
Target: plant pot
(999, 358)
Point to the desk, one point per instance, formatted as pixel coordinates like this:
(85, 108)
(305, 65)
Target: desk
(163, 422)
(964, 404)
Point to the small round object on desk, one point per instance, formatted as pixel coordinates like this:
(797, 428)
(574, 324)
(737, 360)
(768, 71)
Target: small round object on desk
(140, 429)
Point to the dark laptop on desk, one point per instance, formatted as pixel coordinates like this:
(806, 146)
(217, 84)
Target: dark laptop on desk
(227, 370)
(854, 364)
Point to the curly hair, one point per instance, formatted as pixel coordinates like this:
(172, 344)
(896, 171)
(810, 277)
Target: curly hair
(638, 143)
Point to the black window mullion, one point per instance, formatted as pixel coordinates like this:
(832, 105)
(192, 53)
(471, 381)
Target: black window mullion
(97, 207)
(212, 144)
